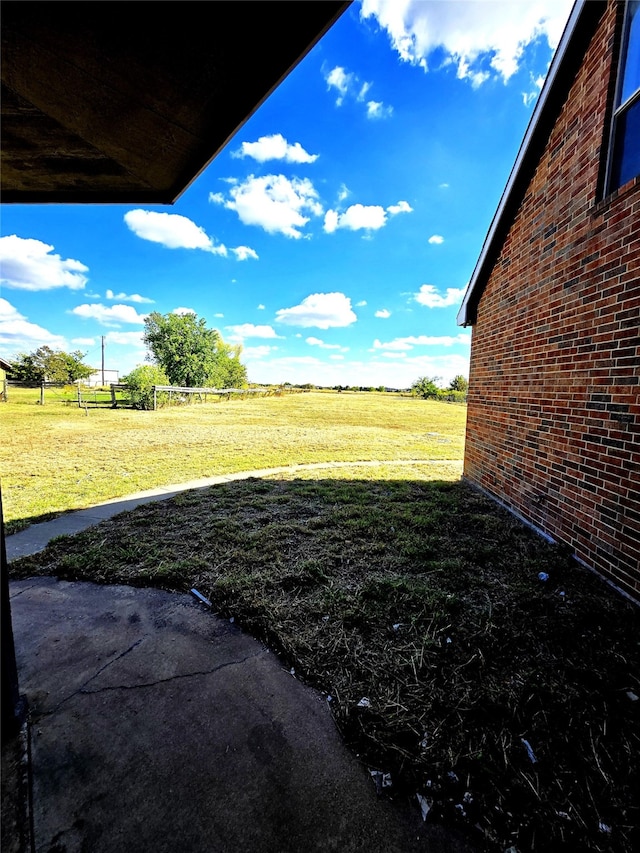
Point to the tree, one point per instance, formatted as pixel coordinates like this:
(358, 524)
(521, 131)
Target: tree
(45, 364)
(190, 354)
(229, 371)
(459, 383)
(426, 387)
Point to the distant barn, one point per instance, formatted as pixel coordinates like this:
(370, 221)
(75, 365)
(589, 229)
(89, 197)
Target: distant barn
(96, 380)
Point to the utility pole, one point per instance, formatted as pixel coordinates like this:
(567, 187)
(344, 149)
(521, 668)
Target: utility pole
(103, 361)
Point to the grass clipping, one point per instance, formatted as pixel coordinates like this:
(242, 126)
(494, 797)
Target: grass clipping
(505, 701)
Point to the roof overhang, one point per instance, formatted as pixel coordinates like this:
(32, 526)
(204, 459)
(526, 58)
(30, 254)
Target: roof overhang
(578, 32)
(129, 102)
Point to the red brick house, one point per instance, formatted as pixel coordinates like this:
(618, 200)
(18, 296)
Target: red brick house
(553, 428)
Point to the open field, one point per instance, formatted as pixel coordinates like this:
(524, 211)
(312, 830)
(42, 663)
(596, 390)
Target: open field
(56, 457)
(508, 703)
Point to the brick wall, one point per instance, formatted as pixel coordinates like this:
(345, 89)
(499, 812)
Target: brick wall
(554, 411)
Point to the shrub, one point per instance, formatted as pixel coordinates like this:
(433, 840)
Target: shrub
(141, 381)
(452, 396)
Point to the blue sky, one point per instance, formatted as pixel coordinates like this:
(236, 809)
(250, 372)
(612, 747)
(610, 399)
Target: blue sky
(336, 233)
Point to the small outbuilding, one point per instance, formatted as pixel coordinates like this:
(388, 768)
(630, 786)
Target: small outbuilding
(5, 369)
(100, 378)
(553, 428)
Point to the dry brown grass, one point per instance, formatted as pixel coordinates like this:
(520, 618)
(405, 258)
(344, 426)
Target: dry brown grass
(422, 597)
(54, 457)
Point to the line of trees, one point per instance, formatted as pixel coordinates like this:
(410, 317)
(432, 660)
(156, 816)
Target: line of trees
(48, 365)
(427, 387)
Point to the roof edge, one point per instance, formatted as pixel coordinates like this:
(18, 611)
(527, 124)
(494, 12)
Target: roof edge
(580, 26)
(339, 12)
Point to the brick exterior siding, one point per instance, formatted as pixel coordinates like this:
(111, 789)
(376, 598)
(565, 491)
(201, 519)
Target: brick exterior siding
(553, 425)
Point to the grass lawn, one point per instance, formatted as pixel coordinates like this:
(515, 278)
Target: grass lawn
(508, 703)
(56, 457)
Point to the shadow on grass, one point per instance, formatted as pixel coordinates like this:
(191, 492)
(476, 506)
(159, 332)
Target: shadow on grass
(18, 524)
(505, 701)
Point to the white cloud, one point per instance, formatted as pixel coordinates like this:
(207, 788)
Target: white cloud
(125, 338)
(383, 313)
(428, 295)
(337, 357)
(408, 343)
(356, 217)
(331, 221)
(343, 192)
(479, 39)
(122, 297)
(361, 304)
(342, 81)
(529, 97)
(360, 216)
(217, 315)
(443, 186)
(369, 217)
(182, 311)
(376, 109)
(436, 239)
(275, 147)
(261, 307)
(244, 252)
(109, 315)
(18, 335)
(28, 264)
(249, 330)
(316, 342)
(84, 342)
(251, 353)
(390, 372)
(171, 230)
(396, 345)
(364, 89)
(273, 202)
(400, 207)
(319, 310)
(348, 84)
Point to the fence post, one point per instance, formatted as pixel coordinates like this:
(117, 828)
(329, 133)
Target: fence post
(155, 399)
(114, 402)
(42, 394)
(79, 398)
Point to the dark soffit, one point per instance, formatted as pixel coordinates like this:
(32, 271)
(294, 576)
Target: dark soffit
(127, 102)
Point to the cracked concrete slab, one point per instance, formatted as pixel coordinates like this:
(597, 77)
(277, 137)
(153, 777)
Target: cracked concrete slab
(156, 726)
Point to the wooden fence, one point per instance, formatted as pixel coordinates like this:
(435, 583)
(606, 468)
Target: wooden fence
(116, 396)
(36, 386)
(103, 398)
(185, 393)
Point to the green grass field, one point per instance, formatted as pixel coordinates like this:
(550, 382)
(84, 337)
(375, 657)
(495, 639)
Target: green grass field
(395, 582)
(58, 457)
